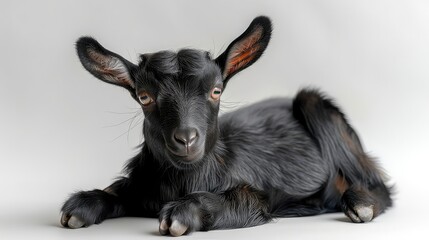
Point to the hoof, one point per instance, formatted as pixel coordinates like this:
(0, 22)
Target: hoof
(72, 221)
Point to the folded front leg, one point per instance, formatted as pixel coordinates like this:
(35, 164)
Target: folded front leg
(238, 207)
(85, 208)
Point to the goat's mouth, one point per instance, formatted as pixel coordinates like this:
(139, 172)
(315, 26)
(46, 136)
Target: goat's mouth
(187, 155)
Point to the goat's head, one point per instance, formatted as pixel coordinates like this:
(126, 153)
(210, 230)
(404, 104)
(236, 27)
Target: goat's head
(179, 92)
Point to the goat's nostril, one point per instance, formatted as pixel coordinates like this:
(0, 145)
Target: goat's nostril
(185, 136)
(192, 136)
(180, 138)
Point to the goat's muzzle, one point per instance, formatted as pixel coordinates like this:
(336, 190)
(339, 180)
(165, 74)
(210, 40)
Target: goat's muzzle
(185, 143)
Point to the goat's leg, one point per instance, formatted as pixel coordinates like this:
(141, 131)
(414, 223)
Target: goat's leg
(85, 208)
(364, 199)
(360, 181)
(241, 206)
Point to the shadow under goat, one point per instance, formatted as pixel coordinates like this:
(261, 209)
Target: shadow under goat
(198, 172)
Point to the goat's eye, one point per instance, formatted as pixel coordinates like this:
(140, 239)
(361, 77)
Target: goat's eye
(216, 92)
(145, 99)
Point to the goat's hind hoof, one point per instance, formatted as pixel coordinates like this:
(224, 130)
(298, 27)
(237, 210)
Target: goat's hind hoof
(360, 213)
(358, 205)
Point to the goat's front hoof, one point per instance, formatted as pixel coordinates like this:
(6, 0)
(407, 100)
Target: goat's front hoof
(179, 218)
(71, 221)
(83, 209)
(176, 228)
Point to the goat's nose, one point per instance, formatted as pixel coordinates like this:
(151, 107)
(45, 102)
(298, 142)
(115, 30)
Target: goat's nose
(185, 136)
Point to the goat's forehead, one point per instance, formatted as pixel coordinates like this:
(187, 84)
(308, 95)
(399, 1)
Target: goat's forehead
(187, 66)
(169, 62)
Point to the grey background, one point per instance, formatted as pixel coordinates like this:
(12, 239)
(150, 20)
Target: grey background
(62, 130)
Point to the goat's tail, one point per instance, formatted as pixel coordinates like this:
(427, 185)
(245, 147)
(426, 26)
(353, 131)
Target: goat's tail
(339, 144)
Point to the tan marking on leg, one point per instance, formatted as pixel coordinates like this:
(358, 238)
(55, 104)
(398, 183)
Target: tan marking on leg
(341, 184)
(110, 191)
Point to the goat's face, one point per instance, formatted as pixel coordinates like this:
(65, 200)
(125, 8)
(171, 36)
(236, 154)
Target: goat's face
(179, 92)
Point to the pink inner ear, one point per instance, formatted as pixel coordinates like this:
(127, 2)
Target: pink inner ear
(112, 69)
(243, 52)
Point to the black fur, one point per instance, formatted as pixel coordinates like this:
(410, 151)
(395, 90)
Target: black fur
(277, 158)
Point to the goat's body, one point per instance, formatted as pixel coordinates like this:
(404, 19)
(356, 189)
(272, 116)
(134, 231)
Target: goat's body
(263, 145)
(274, 148)
(275, 158)
(269, 148)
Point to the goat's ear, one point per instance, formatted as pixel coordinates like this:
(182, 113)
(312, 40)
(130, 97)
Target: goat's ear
(104, 64)
(246, 49)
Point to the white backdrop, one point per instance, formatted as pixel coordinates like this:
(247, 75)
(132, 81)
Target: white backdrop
(62, 130)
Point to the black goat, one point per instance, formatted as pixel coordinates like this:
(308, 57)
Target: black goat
(197, 172)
